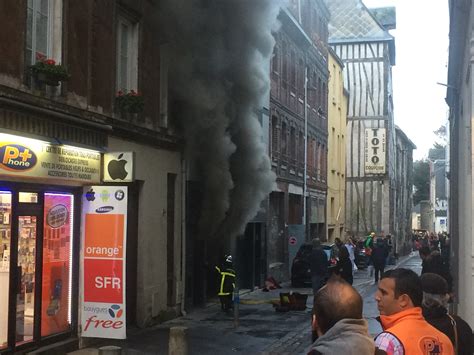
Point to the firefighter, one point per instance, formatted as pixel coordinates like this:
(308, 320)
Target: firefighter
(226, 283)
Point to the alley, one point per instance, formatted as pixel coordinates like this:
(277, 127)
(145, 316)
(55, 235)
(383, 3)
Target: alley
(261, 330)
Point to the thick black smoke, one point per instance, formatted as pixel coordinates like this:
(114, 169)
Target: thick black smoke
(219, 74)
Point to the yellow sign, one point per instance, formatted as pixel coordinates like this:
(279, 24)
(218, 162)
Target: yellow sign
(20, 156)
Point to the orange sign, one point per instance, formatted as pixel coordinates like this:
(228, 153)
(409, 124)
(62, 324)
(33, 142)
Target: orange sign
(102, 231)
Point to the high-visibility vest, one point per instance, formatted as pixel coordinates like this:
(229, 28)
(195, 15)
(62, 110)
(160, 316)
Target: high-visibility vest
(227, 284)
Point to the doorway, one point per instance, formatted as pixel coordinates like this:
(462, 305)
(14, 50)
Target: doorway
(38, 264)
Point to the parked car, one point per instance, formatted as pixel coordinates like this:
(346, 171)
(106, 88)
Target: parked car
(361, 259)
(301, 266)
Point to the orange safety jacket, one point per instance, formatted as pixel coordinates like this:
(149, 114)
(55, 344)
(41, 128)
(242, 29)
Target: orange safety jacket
(227, 282)
(416, 334)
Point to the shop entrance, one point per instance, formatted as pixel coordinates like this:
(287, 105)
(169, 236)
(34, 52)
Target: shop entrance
(37, 258)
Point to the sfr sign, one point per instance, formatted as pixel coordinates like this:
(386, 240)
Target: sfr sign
(375, 150)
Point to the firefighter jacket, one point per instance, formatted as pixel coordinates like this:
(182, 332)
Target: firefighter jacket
(414, 333)
(227, 281)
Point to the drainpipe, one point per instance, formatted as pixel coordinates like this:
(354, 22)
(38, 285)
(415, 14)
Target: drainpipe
(183, 234)
(305, 147)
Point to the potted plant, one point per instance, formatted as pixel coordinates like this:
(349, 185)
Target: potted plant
(48, 72)
(129, 102)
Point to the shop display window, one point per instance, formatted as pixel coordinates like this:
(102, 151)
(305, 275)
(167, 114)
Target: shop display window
(25, 299)
(5, 246)
(57, 263)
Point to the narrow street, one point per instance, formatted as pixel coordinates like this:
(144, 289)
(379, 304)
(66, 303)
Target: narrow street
(261, 329)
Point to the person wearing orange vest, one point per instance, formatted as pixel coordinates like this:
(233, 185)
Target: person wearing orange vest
(405, 332)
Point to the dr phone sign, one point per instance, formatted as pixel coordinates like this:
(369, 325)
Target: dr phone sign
(103, 274)
(375, 150)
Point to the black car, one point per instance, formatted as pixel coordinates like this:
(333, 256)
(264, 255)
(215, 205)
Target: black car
(300, 268)
(361, 259)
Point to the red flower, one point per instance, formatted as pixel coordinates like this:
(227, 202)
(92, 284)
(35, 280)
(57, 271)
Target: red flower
(40, 56)
(50, 62)
(133, 93)
(120, 93)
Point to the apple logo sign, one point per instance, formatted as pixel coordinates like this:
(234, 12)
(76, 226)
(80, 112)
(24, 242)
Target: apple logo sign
(116, 168)
(90, 195)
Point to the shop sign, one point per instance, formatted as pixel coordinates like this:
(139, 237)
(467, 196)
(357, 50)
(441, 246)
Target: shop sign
(375, 150)
(103, 262)
(25, 157)
(118, 167)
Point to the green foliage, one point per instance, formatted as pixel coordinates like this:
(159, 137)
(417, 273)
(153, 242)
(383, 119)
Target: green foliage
(50, 69)
(421, 181)
(131, 102)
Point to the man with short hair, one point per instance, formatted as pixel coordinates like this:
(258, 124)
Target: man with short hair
(399, 297)
(338, 322)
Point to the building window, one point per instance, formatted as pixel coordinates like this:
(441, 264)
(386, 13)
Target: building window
(293, 143)
(283, 139)
(293, 70)
(127, 54)
(43, 31)
(284, 70)
(276, 60)
(274, 134)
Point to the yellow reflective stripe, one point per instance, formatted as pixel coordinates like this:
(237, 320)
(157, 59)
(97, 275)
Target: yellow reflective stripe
(218, 270)
(223, 294)
(221, 291)
(227, 274)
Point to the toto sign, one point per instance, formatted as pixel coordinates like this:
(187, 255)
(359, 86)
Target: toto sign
(57, 216)
(375, 150)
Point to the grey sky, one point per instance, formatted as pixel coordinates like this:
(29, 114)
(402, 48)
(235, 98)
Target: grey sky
(421, 61)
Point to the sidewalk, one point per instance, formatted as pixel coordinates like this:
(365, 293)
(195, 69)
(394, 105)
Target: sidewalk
(261, 329)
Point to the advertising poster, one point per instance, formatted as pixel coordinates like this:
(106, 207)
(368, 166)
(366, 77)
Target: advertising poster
(375, 150)
(26, 157)
(104, 231)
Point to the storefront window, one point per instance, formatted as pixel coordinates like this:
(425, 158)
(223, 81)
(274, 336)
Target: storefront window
(25, 299)
(57, 263)
(5, 239)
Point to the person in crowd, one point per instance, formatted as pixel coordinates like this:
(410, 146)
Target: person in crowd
(435, 303)
(399, 297)
(379, 258)
(337, 324)
(368, 246)
(335, 248)
(433, 262)
(389, 243)
(344, 265)
(350, 245)
(318, 265)
(226, 283)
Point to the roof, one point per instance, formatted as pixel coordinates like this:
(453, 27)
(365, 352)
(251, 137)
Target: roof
(351, 20)
(405, 137)
(386, 16)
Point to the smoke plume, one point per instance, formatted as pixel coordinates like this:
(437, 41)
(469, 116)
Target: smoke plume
(219, 77)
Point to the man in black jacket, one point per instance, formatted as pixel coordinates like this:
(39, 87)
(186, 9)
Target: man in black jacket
(434, 263)
(379, 258)
(318, 265)
(435, 301)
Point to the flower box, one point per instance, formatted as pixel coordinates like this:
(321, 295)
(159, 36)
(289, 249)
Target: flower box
(129, 102)
(48, 72)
